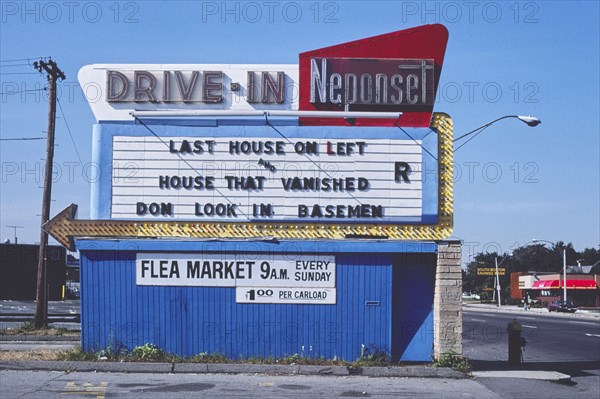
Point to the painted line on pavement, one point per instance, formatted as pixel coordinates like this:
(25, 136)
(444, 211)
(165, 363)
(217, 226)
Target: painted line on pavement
(525, 374)
(86, 389)
(593, 335)
(583, 322)
(505, 316)
(527, 326)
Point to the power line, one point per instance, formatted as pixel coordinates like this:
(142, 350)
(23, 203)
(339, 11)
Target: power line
(25, 91)
(413, 139)
(69, 130)
(471, 138)
(23, 138)
(19, 73)
(268, 123)
(25, 59)
(182, 158)
(15, 65)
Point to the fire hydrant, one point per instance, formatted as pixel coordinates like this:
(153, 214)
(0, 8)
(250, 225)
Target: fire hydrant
(515, 343)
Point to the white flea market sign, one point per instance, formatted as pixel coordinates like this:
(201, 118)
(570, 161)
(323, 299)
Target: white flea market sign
(257, 278)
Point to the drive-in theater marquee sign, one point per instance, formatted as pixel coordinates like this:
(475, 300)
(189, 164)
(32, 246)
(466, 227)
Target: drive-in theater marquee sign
(344, 145)
(253, 210)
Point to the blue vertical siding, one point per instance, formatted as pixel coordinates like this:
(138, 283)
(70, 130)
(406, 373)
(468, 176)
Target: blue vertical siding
(117, 313)
(412, 302)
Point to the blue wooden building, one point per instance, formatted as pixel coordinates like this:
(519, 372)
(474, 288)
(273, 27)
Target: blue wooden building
(385, 303)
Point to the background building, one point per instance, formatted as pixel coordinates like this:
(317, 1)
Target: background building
(18, 271)
(583, 289)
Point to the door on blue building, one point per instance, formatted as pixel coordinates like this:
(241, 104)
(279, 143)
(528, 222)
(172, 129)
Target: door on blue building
(413, 283)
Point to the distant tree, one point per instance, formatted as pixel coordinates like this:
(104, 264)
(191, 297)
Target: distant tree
(537, 257)
(590, 256)
(541, 258)
(474, 283)
(572, 254)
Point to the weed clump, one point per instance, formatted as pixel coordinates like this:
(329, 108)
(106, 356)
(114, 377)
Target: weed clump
(454, 361)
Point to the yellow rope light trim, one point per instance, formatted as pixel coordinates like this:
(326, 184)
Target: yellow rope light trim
(64, 227)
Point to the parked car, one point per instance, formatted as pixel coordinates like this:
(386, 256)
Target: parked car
(71, 293)
(562, 306)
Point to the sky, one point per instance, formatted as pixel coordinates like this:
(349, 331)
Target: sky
(512, 182)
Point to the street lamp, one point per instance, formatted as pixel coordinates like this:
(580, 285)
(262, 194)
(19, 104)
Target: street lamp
(564, 266)
(498, 276)
(470, 256)
(529, 120)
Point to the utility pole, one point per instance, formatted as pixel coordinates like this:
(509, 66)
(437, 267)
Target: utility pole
(15, 228)
(41, 306)
(497, 279)
(565, 274)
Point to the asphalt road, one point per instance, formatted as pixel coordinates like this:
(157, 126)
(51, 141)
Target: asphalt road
(562, 343)
(49, 385)
(68, 311)
(28, 307)
(550, 338)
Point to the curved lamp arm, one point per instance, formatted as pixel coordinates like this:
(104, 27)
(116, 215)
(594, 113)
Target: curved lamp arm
(529, 120)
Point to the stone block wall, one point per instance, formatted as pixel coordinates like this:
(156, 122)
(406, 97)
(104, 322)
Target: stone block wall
(447, 304)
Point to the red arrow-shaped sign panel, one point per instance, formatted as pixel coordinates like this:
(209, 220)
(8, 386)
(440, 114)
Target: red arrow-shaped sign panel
(394, 72)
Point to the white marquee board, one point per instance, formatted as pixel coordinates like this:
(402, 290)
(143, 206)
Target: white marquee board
(336, 181)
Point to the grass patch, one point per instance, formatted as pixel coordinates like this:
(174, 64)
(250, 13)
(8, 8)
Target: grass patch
(294, 359)
(454, 361)
(28, 328)
(370, 357)
(28, 355)
(150, 353)
(144, 353)
(204, 357)
(76, 355)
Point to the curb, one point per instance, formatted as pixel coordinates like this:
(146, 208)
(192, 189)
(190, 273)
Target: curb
(225, 368)
(324, 370)
(50, 365)
(412, 371)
